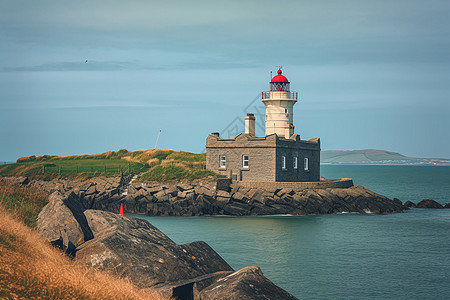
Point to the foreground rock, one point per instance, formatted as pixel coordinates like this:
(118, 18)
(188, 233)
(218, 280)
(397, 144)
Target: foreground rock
(428, 203)
(63, 222)
(136, 249)
(203, 199)
(247, 283)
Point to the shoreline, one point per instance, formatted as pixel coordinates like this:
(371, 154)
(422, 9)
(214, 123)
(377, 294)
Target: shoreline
(204, 198)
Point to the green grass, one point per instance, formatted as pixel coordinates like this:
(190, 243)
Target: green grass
(23, 202)
(153, 165)
(71, 167)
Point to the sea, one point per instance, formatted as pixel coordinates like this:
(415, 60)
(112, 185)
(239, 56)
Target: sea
(342, 256)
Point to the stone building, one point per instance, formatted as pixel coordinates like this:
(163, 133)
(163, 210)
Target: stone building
(278, 156)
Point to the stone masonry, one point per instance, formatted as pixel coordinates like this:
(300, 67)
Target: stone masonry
(265, 158)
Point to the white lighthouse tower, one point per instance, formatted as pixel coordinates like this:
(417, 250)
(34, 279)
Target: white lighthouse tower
(279, 102)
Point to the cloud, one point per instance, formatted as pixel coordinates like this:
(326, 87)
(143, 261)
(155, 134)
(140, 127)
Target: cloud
(247, 32)
(73, 66)
(164, 62)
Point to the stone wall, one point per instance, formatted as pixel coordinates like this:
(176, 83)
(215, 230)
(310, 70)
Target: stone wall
(296, 186)
(260, 151)
(300, 149)
(264, 157)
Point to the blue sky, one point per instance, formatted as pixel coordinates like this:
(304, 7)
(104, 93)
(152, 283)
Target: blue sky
(370, 74)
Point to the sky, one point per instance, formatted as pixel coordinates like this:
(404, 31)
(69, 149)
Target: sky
(82, 77)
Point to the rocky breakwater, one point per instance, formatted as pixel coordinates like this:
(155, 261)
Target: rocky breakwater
(197, 200)
(139, 251)
(205, 198)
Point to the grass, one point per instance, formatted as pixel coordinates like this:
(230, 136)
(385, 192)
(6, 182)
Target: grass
(153, 165)
(24, 202)
(32, 269)
(67, 167)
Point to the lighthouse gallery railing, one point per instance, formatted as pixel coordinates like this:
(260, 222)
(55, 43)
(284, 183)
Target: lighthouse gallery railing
(280, 95)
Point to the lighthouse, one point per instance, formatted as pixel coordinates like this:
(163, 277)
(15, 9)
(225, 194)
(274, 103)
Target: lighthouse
(278, 156)
(279, 103)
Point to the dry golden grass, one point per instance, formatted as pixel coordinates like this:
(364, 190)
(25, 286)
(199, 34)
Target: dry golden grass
(149, 154)
(23, 202)
(152, 161)
(31, 269)
(153, 165)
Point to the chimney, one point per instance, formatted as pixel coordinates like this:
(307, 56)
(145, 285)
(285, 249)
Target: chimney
(250, 124)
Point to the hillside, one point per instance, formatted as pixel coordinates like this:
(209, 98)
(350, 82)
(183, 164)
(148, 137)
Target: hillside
(372, 156)
(153, 165)
(30, 268)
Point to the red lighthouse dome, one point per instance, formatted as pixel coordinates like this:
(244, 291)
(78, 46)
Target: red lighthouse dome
(279, 78)
(279, 83)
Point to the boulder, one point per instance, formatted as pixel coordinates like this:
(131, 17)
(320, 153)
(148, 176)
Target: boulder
(161, 195)
(247, 283)
(132, 189)
(410, 204)
(22, 180)
(19, 180)
(91, 190)
(154, 189)
(238, 196)
(428, 203)
(397, 201)
(223, 194)
(63, 223)
(136, 249)
(236, 209)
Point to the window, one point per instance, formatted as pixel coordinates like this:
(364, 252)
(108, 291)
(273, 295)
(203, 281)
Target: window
(283, 162)
(295, 162)
(306, 167)
(222, 161)
(245, 161)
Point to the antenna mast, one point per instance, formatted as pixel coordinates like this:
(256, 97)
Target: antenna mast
(157, 138)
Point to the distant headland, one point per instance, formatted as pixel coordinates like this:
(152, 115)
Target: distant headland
(377, 157)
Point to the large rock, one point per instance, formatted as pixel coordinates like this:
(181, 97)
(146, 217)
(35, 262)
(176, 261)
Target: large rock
(410, 204)
(428, 203)
(63, 223)
(136, 249)
(247, 283)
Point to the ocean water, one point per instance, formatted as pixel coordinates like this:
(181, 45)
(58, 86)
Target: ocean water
(345, 256)
(413, 183)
